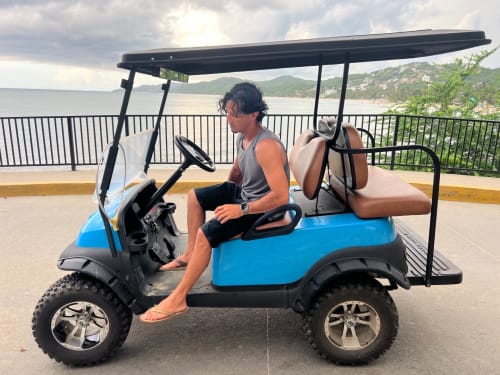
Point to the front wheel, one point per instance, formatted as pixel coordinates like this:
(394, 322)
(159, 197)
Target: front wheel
(79, 321)
(352, 323)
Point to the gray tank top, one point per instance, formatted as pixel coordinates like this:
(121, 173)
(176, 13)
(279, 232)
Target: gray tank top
(254, 184)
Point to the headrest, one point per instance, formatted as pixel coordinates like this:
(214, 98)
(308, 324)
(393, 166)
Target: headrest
(307, 162)
(356, 166)
(303, 139)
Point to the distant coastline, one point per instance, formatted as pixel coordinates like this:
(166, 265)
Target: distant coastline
(47, 102)
(384, 87)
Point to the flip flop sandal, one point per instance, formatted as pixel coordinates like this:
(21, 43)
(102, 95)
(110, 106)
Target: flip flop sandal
(165, 315)
(181, 266)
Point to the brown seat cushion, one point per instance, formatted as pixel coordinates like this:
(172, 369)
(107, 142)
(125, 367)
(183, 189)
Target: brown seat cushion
(385, 194)
(307, 162)
(284, 221)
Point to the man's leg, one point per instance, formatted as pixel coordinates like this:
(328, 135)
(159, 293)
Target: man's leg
(195, 219)
(176, 301)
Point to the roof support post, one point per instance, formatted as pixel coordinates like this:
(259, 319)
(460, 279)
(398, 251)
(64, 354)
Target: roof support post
(318, 89)
(343, 91)
(111, 160)
(165, 87)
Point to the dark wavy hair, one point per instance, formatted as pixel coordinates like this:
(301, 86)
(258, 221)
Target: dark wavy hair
(248, 99)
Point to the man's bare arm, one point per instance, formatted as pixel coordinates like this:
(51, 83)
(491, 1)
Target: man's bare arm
(271, 157)
(235, 173)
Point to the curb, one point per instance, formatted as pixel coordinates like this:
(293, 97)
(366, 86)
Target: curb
(446, 192)
(79, 188)
(462, 193)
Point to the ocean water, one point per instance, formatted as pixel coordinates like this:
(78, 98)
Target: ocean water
(32, 142)
(25, 102)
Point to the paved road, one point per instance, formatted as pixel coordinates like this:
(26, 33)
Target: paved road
(443, 330)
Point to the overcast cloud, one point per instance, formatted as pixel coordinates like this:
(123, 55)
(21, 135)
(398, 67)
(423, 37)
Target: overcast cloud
(76, 44)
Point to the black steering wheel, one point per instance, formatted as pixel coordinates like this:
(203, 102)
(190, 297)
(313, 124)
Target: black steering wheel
(194, 154)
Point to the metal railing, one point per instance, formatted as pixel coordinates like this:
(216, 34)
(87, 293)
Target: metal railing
(463, 145)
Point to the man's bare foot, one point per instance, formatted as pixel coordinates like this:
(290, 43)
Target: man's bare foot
(174, 265)
(156, 315)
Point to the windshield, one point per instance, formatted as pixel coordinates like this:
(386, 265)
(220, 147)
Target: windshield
(129, 167)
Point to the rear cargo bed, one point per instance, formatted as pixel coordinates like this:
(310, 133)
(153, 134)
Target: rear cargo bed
(443, 270)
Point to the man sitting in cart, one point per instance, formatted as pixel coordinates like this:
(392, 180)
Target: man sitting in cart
(258, 182)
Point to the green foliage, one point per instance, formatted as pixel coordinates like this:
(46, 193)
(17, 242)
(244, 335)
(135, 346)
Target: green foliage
(441, 125)
(455, 94)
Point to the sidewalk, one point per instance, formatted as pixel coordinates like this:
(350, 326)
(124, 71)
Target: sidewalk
(58, 182)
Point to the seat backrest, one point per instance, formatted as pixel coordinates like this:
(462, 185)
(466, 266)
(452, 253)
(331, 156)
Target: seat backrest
(307, 162)
(350, 169)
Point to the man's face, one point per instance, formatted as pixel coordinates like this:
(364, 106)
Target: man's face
(238, 121)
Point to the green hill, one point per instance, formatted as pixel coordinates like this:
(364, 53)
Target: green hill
(395, 84)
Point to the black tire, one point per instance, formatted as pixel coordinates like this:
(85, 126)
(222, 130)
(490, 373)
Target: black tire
(79, 321)
(352, 323)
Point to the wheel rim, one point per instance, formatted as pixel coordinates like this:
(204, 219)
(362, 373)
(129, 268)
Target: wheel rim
(80, 326)
(352, 325)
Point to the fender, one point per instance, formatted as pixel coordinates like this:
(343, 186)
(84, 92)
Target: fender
(100, 265)
(387, 261)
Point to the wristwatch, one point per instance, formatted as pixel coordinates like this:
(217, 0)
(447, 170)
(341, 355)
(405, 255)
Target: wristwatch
(244, 208)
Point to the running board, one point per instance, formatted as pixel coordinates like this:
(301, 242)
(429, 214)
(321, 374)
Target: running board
(443, 270)
(205, 294)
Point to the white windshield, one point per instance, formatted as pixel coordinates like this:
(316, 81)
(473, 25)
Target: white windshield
(129, 166)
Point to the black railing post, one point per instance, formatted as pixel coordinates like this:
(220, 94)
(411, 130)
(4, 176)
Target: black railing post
(71, 141)
(395, 141)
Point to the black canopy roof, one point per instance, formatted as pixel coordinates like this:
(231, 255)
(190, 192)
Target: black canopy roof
(299, 53)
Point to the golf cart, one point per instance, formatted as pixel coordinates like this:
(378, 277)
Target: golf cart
(332, 256)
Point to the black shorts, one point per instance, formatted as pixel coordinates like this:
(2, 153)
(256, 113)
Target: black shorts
(210, 198)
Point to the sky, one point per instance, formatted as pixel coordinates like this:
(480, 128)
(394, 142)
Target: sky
(76, 44)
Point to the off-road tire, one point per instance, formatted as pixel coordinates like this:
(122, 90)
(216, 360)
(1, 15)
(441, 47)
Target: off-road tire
(76, 288)
(372, 297)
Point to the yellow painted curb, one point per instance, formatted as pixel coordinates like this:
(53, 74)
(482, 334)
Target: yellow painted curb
(446, 192)
(46, 188)
(79, 188)
(462, 193)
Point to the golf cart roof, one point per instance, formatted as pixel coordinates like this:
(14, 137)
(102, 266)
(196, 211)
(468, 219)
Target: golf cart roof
(299, 53)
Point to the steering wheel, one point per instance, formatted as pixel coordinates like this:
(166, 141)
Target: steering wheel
(194, 154)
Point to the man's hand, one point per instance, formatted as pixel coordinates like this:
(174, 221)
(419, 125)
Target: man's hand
(228, 212)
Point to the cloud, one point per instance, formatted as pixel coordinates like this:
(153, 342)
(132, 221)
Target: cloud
(191, 26)
(93, 34)
(83, 32)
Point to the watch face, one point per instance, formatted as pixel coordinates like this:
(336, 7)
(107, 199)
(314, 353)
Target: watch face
(244, 207)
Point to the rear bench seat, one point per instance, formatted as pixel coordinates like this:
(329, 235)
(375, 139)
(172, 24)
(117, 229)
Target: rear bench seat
(369, 190)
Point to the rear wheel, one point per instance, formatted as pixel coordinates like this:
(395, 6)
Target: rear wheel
(352, 323)
(79, 321)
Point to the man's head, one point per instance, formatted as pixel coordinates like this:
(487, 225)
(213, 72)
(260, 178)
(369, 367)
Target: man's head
(246, 98)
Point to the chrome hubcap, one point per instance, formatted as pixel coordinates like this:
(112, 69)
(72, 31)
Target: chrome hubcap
(80, 326)
(352, 325)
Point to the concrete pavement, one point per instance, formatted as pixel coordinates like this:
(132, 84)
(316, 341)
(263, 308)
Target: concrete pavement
(443, 329)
